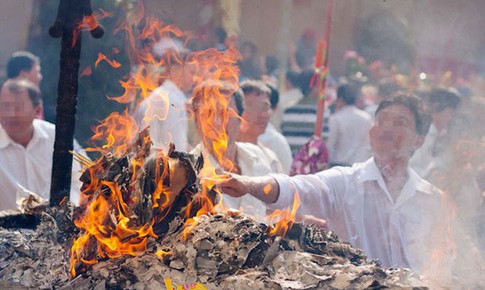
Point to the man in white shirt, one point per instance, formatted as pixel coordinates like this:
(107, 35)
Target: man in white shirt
(241, 157)
(26, 145)
(23, 65)
(381, 206)
(348, 135)
(165, 108)
(256, 115)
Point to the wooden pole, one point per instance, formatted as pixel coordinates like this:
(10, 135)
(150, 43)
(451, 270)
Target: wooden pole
(70, 16)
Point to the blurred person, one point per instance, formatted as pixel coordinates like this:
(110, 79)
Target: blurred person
(25, 66)
(381, 206)
(385, 88)
(164, 110)
(248, 159)
(220, 36)
(26, 145)
(249, 65)
(433, 157)
(298, 121)
(348, 138)
(271, 70)
(290, 97)
(306, 47)
(273, 139)
(257, 103)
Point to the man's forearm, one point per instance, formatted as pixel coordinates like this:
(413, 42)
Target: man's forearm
(265, 188)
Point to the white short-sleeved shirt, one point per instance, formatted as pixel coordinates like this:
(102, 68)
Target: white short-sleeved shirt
(170, 123)
(358, 207)
(31, 167)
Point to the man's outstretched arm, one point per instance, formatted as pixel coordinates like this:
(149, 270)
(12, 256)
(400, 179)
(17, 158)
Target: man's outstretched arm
(264, 188)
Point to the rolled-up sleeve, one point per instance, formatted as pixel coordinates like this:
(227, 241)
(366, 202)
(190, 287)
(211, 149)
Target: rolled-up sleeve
(319, 193)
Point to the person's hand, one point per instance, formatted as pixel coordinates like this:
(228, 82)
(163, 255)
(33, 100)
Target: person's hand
(232, 184)
(264, 188)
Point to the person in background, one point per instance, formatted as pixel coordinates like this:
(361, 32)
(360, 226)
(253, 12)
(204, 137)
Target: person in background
(433, 157)
(298, 121)
(246, 158)
(249, 65)
(348, 138)
(24, 65)
(274, 140)
(26, 145)
(164, 110)
(290, 97)
(220, 36)
(381, 206)
(256, 116)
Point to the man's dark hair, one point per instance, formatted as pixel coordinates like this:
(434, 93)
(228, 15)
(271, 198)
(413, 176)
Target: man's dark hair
(274, 97)
(252, 86)
(239, 100)
(17, 86)
(414, 104)
(20, 61)
(442, 98)
(348, 93)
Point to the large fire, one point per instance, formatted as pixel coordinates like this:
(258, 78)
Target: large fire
(129, 192)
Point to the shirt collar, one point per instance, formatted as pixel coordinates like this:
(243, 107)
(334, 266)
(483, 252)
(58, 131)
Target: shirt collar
(39, 133)
(414, 184)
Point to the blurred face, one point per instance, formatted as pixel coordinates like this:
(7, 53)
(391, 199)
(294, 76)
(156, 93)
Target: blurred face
(34, 75)
(394, 133)
(232, 126)
(257, 113)
(16, 111)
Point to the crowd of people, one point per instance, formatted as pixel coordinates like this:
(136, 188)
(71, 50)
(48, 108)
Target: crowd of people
(396, 147)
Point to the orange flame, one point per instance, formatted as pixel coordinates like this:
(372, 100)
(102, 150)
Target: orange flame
(108, 224)
(86, 71)
(89, 22)
(112, 63)
(118, 131)
(285, 218)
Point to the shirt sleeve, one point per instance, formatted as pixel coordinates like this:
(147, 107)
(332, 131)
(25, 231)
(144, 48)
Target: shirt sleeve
(320, 194)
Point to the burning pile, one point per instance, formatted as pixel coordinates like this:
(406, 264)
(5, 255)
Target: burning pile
(145, 223)
(222, 251)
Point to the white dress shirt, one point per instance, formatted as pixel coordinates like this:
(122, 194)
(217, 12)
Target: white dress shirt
(348, 136)
(31, 167)
(252, 161)
(277, 143)
(167, 124)
(358, 207)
